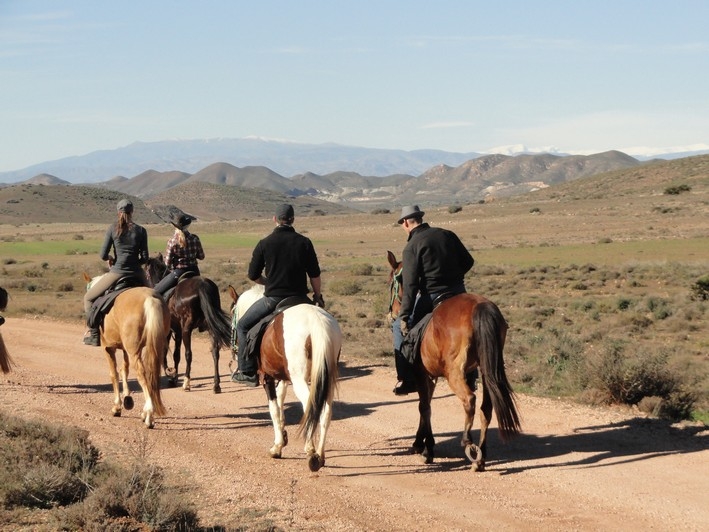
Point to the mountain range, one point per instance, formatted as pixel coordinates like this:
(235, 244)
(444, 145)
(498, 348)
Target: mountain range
(436, 177)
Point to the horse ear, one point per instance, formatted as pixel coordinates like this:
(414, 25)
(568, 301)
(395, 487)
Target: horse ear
(392, 260)
(86, 276)
(233, 294)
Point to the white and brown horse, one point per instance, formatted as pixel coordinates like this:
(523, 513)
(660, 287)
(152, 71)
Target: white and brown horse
(5, 359)
(302, 346)
(138, 323)
(466, 332)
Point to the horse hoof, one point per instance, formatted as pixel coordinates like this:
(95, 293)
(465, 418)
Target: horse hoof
(315, 462)
(128, 402)
(172, 373)
(172, 382)
(477, 460)
(217, 389)
(116, 413)
(416, 449)
(274, 453)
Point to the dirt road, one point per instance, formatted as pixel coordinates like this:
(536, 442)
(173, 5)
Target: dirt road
(573, 468)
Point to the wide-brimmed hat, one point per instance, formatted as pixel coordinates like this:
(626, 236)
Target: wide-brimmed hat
(125, 205)
(410, 211)
(179, 218)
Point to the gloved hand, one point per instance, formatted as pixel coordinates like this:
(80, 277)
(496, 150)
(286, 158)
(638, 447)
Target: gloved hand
(404, 325)
(318, 300)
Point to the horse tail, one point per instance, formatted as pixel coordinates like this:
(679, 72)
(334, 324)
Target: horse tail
(489, 330)
(218, 321)
(155, 342)
(5, 359)
(326, 343)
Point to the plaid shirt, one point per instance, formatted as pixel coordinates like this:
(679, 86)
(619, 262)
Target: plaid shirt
(178, 257)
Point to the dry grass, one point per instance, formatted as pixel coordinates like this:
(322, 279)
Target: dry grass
(574, 268)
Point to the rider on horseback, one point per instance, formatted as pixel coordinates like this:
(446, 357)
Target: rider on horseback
(130, 247)
(289, 259)
(435, 262)
(183, 251)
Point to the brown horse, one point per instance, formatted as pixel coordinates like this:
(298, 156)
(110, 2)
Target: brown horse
(194, 304)
(138, 323)
(301, 345)
(466, 332)
(5, 359)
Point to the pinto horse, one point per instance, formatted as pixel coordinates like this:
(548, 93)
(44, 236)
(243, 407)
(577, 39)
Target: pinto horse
(194, 304)
(466, 332)
(301, 345)
(5, 359)
(138, 323)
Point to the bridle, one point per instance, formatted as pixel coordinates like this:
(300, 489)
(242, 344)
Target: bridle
(395, 287)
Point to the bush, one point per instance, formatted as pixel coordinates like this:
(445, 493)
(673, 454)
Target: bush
(700, 289)
(454, 209)
(678, 189)
(362, 269)
(345, 287)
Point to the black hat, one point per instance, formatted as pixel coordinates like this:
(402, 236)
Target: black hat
(285, 212)
(410, 211)
(179, 218)
(125, 205)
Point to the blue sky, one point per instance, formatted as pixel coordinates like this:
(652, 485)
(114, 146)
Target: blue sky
(575, 76)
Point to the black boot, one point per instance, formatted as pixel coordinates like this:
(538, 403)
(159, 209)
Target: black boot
(93, 338)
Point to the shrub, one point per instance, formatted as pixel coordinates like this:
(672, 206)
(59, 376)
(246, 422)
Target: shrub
(454, 209)
(362, 269)
(678, 189)
(381, 211)
(345, 287)
(700, 289)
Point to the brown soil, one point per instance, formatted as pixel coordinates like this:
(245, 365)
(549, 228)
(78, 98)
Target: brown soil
(573, 468)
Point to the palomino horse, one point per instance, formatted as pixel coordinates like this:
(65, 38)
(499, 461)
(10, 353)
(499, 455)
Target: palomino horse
(138, 323)
(194, 304)
(466, 332)
(301, 345)
(5, 359)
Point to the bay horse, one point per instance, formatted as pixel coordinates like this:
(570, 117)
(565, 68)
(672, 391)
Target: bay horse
(466, 331)
(195, 304)
(301, 345)
(5, 359)
(138, 323)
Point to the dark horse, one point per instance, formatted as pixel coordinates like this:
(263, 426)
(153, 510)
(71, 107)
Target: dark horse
(194, 304)
(466, 332)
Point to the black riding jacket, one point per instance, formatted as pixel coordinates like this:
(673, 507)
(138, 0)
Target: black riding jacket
(434, 260)
(288, 258)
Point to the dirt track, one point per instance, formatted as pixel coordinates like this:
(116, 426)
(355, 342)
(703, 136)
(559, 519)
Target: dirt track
(573, 468)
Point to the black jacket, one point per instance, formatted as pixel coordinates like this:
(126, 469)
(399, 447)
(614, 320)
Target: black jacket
(434, 260)
(288, 258)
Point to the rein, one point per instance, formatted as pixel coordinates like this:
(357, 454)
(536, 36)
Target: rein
(395, 289)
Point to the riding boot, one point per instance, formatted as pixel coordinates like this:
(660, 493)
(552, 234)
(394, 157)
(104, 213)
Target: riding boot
(93, 337)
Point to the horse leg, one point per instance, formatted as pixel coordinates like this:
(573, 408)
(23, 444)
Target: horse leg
(461, 386)
(215, 358)
(424, 442)
(485, 417)
(148, 413)
(127, 397)
(318, 459)
(302, 392)
(111, 358)
(170, 372)
(187, 343)
(276, 396)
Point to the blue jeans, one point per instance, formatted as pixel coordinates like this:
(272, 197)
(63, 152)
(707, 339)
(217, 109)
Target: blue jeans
(255, 313)
(402, 366)
(170, 280)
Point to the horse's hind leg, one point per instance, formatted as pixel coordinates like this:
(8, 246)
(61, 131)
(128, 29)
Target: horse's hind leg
(485, 417)
(276, 398)
(317, 460)
(111, 358)
(187, 342)
(215, 358)
(127, 397)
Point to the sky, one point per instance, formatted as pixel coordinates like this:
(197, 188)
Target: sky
(573, 76)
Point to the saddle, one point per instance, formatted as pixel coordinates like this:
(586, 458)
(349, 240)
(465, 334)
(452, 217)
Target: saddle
(103, 304)
(255, 334)
(182, 277)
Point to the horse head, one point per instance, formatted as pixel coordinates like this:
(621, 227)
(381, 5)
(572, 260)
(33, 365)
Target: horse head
(155, 268)
(395, 286)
